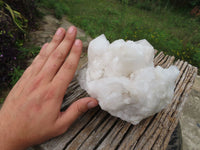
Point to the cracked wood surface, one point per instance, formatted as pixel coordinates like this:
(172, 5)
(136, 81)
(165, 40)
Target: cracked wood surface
(96, 129)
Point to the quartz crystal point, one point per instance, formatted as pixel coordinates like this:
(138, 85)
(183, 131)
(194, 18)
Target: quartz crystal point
(122, 77)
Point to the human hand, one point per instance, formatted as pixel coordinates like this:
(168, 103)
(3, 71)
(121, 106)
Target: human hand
(31, 112)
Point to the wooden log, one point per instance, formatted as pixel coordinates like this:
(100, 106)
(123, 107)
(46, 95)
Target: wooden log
(98, 130)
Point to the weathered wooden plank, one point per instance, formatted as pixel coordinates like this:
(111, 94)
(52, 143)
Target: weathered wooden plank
(176, 95)
(163, 60)
(113, 139)
(188, 88)
(77, 94)
(159, 57)
(181, 66)
(155, 130)
(177, 62)
(135, 133)
(149, 135)
(98, 130)
(183, 99)
(169, 62)
(60, 142)
(171, 120)
(87, 131)
(99, 134)
(167, 139)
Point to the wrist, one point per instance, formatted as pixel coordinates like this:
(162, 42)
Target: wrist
(8, 140)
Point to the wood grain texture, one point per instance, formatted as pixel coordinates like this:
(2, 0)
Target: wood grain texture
(96, 129)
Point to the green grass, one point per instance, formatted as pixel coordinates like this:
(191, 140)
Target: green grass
(25, 54)
(174, 32)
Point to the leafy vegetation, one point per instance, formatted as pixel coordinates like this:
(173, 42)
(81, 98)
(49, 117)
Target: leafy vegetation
(59, 7)
(166, 3)
(13, 30)
(27, 9)
(173, 31)
(15, 75)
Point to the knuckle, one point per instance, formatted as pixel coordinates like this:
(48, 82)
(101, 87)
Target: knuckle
(70, 66)
(54, 66)
(79, 109)
(36, 82)
(61, 78)
(58, 55)
(69, 38)
(50, 94)
(56, 39)
(42, 54)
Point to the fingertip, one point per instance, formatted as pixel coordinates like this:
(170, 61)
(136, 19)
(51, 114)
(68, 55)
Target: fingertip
(92, 104)
(78, 42)
(71, 29)
(76, 110)
(58, 36)
(60, 31)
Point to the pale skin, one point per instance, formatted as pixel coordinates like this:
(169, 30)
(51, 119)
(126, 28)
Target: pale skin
(31, 113)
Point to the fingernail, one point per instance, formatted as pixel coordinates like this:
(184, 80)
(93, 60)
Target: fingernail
(91, 104)
(71, 29)
(77, 42)
(59, 31)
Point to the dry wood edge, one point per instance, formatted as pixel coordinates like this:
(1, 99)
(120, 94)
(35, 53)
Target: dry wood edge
(166, 123)
(152, 125)
(171, 120)
(184, 98)
(162, 129)
(158, 130)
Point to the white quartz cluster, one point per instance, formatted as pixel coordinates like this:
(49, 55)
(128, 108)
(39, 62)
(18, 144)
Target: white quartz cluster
(122, 77)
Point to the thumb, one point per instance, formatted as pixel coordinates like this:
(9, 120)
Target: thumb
(75, 110)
